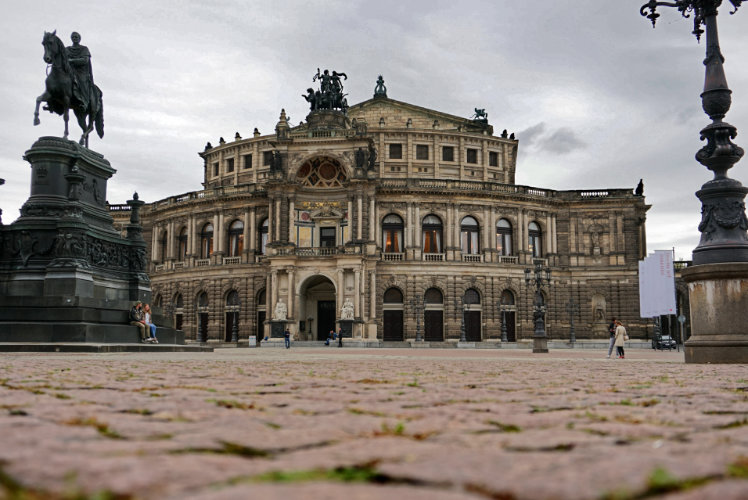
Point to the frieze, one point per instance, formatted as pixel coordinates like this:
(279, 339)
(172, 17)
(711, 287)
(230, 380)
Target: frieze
(320, 205)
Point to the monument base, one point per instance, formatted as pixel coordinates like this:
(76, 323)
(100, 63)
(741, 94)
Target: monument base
(66, 274)
(718, 295)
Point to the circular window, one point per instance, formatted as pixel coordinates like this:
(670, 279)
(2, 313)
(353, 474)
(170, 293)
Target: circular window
(327, 171)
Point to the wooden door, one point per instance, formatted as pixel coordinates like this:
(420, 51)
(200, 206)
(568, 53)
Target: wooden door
(203, 334)
(472, 326)
(393, 326)
(434, 326)
(511, 321)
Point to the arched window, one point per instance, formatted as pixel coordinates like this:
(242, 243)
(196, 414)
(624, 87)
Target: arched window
(179, 301)
(262, 237)
(393, 296)
(178, 311)
(471, 296)
(507, 298)
(504, 237)
(158, 301)
(163, 243)
(261, 298)
(182, 244)
(236, 238)
(432, 234)
(392, 234)
(202, 300)
(534, 236)
(321, 172)
(206, 241)
(469, 236)
(433, 296)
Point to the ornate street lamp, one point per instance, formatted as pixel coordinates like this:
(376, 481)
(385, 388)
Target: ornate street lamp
(463, 337)
(723, 221)
(572, 308)
(721, 257)
(538, 277)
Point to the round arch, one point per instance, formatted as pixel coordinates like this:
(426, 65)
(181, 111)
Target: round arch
(317, 306)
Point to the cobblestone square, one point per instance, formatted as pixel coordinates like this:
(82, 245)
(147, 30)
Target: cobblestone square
(377, 423)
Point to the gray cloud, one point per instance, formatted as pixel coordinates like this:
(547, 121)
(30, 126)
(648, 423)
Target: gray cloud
(599, 105)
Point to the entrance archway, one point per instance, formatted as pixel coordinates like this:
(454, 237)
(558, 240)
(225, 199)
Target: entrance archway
(317, 307)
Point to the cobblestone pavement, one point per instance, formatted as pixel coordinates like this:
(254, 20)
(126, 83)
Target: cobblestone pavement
(368, 424)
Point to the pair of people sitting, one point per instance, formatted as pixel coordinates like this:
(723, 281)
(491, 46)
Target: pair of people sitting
(140, 316)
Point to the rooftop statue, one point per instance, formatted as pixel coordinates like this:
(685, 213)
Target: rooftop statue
(380, 90)
(330, 96)
(69, 85)
(480, 115)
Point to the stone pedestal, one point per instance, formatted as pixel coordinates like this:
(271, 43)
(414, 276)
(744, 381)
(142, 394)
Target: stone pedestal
(718, 295)
(66, 275)
(347, 326)
(277, 327)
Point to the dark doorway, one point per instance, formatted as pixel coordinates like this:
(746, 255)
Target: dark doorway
(203, 334)
(472, 326)
(434, 321)
(260, 325)
(393, 326)
(510, 322)
(325, 318)
(178, 321)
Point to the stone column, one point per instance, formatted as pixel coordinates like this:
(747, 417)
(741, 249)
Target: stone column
(549, 235)
(555, 234)
(360, 216)
(357, 293)
(291, 221)
(372, 219)
(417, 230)
(253, 230)
(271, 220)
(246, 233)
(193, 238)
(291, 286)
(156, 232)
(350, 220)
(216, 235)
(219, 236)
(277, 214)
(274, 292)
(341, 293)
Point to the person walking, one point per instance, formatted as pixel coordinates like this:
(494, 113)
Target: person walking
(621, 337)
(287, 338)
(612, 332)
(340, 337)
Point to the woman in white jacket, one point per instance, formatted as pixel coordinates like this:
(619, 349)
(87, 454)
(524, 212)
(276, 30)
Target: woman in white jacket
(620, 338)
(147, 318)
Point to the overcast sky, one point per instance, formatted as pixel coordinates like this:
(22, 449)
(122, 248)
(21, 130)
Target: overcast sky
(597, 98)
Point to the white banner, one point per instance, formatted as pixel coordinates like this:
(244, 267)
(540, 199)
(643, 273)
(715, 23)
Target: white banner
(657, 284)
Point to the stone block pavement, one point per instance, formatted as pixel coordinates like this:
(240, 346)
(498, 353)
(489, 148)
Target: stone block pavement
(371, 424)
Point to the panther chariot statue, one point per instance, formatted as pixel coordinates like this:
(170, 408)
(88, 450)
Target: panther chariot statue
(330, 96)
(69, 85)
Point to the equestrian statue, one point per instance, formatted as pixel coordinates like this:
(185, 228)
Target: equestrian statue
(69, 85)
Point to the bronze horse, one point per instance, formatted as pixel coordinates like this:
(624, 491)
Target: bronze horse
(59, 94)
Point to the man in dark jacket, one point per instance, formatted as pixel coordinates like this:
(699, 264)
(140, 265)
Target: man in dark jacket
(612, 332)
(136, 319)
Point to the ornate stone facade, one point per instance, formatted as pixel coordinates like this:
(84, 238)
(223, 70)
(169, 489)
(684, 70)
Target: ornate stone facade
(402, 211)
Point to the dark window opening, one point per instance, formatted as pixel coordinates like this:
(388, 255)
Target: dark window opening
(493, 159)
(448, 153)
(396, 151)
(422, 152)
(472, 156)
